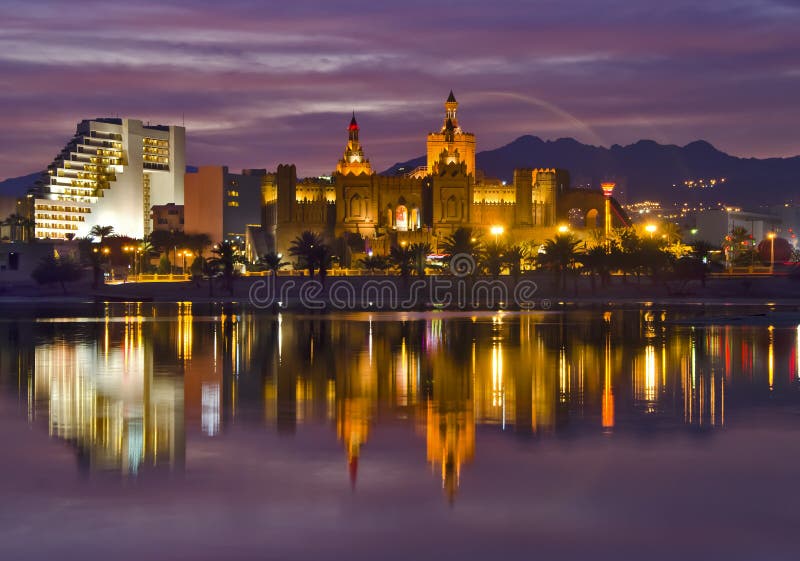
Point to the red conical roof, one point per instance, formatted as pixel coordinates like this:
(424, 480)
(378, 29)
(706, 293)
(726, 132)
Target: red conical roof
(353, 125)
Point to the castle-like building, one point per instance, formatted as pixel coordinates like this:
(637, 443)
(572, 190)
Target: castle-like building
(367, 211)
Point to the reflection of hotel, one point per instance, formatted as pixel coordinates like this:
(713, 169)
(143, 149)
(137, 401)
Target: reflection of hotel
(107, 401)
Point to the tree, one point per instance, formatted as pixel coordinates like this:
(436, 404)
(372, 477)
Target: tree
(402, 258)
(701, 249)
(310, 251)
(738, 246)
(101, 232)
(21, 227)
(463, 241)
(597, 261)
(224, 261)
(61, 270)
(273, 262)
(514, 257)
(374, 263)
(419, 256)
(561, 254)
(493, 259)
(164, 266)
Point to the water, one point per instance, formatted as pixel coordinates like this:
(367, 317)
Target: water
(207, 432)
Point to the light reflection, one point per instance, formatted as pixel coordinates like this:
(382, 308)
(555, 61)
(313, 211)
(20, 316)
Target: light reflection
(126, 393)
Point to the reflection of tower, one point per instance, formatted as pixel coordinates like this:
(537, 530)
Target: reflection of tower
(451, 426)
(608, 393)
(356, 397)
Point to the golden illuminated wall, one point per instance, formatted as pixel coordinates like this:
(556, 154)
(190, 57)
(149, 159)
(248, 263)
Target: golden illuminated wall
(451, 145)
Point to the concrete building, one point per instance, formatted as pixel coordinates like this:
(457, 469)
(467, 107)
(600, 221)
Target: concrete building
(168, 217)
(223, 204)
(112, 172)
(713, 225)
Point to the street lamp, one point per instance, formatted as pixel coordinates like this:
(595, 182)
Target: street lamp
(496, 231)
(650, 229)
(563, 229)
(771, 237)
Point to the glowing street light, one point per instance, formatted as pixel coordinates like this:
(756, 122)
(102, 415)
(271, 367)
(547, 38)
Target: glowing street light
(496, 231)
(563, 229)
(650, 229)
(771, 237)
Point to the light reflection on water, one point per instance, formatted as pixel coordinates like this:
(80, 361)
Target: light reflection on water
(126, 387)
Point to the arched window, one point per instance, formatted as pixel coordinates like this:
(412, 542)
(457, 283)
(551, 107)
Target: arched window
(591, 219)
(451, 207)
(355, 206)
(401, 218)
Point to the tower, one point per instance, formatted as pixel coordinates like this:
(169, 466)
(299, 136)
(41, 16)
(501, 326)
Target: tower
(451, 145)
(353, 160)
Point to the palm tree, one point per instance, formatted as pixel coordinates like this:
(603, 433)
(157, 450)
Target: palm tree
(225, 259)
(273, 262)
(514, 256)
(101, 232)
(493, 258)
(374, 263)
(561, 254)
(420, 252)
(309, 248)
(402, 258)
(21, 227)
(463, 241)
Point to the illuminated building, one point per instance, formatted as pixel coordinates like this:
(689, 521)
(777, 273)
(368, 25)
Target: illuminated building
(424, 205)
(168, 217)
(222, 204)
(112, 172)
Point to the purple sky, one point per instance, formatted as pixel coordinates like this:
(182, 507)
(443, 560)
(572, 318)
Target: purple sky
(263, 83)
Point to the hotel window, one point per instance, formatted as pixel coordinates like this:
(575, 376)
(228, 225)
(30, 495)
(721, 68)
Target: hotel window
(233, 203)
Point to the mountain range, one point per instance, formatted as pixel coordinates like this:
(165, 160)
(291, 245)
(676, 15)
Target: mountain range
(648, 170)
(643, 171)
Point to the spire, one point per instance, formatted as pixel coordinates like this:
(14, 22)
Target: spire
(353, 124)
(451, 98)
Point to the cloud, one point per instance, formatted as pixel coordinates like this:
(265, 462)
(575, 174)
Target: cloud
(278, 81)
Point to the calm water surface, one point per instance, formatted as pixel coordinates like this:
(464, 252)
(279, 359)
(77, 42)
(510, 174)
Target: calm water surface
(208, 432)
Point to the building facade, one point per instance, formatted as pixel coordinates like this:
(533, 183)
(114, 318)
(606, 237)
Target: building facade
(363, 210)
(168, 217)
(222, 204)
(112, 172)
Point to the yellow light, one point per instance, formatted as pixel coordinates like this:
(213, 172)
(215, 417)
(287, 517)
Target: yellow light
(650, 228)
(563, 229)
(496, 230)
(403, 243)
(771, 235)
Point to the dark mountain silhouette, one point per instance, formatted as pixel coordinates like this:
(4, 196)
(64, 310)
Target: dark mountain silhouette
(648, 170)
(18, 186)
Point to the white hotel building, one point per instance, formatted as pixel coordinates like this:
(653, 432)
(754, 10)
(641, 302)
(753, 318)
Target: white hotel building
(110, 174)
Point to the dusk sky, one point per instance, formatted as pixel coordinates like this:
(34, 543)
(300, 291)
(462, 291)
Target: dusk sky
(260, 83)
